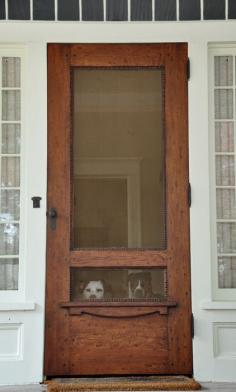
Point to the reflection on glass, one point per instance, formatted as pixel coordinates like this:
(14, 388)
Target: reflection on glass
(225, 204)
(9, 205)
(118, 284)
(101, 223)
(223, 70)
(10, 172)
(9, 274)
(224, 137)
(226, 237)
(225, 170)
(227, 272)
(118, 158)
(223, 104)
(11, 105)
(9, 239)
(11, 138)
(11, 71)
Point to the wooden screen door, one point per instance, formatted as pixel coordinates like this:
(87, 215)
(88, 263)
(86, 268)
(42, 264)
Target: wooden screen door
(118, 273)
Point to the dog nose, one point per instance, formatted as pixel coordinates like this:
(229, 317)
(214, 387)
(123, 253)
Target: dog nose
(93, 296)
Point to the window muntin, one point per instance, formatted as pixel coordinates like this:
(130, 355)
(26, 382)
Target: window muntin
(10, 160)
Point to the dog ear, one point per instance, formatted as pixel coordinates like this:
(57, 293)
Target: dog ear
(130, 276)
(82, 286)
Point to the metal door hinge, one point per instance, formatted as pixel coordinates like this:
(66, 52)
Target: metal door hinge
(188, 69)
(189, 195)
(192, 325)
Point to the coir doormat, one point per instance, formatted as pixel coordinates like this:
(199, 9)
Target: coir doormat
(149, 383)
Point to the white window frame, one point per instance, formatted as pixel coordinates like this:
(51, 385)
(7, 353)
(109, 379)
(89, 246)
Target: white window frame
(13, 296)
(218, 294)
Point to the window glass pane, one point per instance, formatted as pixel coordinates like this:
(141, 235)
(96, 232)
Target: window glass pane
(10, 72)
(226, 237)
(10, 172)
(118, 284)
(224, 104)
(223, 70)
(227, 272)
(118, 158)
(11, 138)
(225, 172)
(9, 239)
(11, 105)
(224, 137)
(9, 274)
(225, 202)
(10, 205)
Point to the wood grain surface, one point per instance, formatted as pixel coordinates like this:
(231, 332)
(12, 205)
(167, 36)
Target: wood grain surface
(87, 344)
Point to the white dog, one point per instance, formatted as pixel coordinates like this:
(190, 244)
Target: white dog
(93, 290)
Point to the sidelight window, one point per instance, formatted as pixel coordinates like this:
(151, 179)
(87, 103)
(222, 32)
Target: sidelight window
(10, 159)
(223, 115)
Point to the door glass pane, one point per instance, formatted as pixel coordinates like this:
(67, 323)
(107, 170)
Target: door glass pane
(118, 158)
(118, 284)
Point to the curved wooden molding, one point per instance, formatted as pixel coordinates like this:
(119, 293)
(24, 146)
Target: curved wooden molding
(118, 309)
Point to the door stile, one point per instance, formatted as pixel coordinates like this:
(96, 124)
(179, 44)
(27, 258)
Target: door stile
(177, 198)
(57, 330)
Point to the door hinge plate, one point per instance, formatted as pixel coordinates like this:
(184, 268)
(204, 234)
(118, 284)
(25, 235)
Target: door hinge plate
(192, 325)
(188, 69)
(189, 195)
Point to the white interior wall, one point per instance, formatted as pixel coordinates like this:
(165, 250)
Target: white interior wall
(215, 325)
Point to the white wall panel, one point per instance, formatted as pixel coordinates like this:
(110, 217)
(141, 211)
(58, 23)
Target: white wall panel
(224, 335)
(11, 336)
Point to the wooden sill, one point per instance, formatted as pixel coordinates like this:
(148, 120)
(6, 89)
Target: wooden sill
(118, 309)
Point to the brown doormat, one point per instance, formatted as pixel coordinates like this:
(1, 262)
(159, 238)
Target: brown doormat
(147, 383)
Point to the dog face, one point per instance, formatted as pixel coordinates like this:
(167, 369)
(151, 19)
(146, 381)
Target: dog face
(93, 290)
(140, 285)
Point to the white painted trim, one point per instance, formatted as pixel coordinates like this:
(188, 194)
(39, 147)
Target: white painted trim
(26, 306)
(14, 306)
(217, 305)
